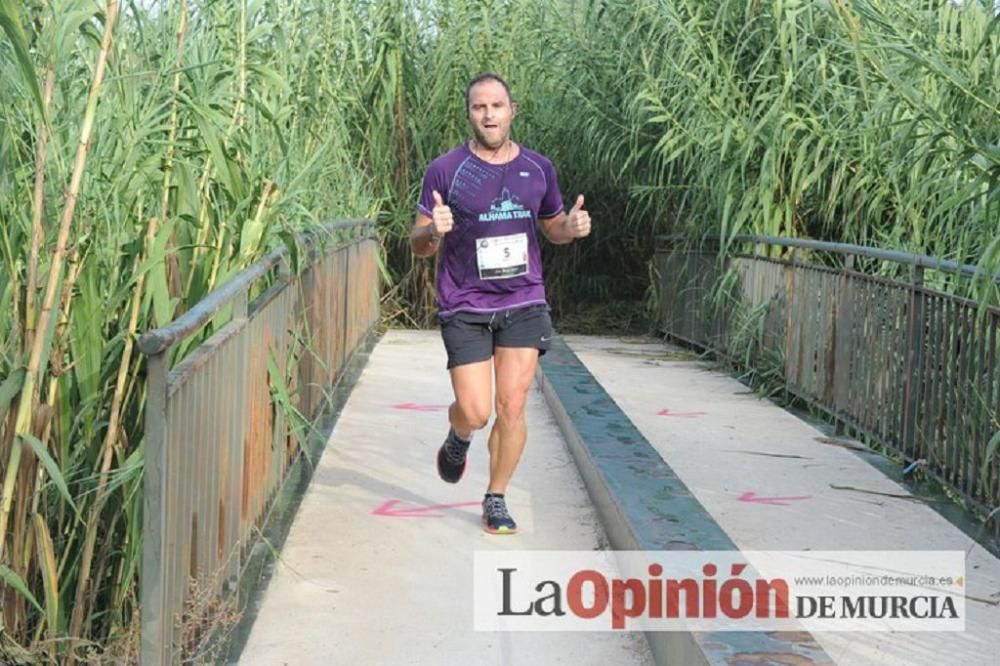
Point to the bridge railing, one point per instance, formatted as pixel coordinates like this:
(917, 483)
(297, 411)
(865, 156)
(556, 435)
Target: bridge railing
(219, 439)
(911, 368)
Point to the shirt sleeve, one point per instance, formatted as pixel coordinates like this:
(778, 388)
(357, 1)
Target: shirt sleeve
(552, 201)
(434, 179)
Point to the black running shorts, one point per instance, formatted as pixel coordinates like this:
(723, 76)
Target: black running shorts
(472, 337)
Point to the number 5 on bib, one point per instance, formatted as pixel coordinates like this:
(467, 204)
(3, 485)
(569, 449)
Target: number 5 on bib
(501, 257)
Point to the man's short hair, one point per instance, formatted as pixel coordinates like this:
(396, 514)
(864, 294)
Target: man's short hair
(486, 76)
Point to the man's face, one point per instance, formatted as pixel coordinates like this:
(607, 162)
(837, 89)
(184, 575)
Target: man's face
(490, 113)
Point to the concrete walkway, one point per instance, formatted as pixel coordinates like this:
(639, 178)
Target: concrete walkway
(372, 573)
(368, 575)
(736, 452)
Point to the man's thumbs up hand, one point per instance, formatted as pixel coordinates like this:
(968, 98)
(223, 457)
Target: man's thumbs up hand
(578, 220)
(441, 219)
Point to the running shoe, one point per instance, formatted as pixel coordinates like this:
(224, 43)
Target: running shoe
(496, 518)
(451, 458)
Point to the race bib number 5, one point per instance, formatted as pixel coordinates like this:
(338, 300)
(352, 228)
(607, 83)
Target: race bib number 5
(502, 256)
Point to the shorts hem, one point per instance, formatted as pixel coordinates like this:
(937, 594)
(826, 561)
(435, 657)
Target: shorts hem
(456, 362)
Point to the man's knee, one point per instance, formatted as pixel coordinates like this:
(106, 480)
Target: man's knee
(475, 413)
(510, 406)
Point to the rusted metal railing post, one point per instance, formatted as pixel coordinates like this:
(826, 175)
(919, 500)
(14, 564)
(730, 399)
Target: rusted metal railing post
(842, 345)
(792, 348)
(346, 323)
(914, 363)
(157, 627)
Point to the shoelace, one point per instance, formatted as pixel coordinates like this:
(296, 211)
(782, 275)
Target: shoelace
(496, 507)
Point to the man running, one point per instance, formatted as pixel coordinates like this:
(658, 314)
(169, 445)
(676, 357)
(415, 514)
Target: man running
(479, 207)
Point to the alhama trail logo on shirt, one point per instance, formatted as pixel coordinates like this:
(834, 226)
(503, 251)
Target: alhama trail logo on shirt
(505, 207)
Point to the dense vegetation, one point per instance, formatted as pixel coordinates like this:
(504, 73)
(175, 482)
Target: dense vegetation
(150, 150)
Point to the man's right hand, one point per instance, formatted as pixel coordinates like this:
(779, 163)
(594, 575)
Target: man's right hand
(441, 219)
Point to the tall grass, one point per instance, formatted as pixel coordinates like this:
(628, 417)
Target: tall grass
(208, 137)
(221, 127)
(870, 121)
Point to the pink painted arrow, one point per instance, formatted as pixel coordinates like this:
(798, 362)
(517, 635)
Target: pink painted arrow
(750, 496)
(389, 509)
(414, 407)
(667, 412)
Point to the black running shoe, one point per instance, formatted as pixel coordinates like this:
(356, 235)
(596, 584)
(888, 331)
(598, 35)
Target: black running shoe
(496, 518)
(451, 458)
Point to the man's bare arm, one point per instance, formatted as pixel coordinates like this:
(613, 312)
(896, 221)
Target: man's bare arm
(564, 228)
(554, 229)
(427, 232)
(423, 242)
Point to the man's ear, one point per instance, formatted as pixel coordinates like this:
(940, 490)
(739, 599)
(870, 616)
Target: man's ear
(513, 109)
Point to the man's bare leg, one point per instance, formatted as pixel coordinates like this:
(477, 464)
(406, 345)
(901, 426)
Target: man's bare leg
(515, 370)
(473, 387)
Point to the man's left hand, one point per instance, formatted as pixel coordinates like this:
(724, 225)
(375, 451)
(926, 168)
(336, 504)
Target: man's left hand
(578, 220)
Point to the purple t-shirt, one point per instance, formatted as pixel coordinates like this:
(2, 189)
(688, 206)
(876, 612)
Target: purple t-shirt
(491, 259)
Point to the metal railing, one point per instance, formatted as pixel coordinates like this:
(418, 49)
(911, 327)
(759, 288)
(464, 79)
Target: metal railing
(911, 368)
(218, 442)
